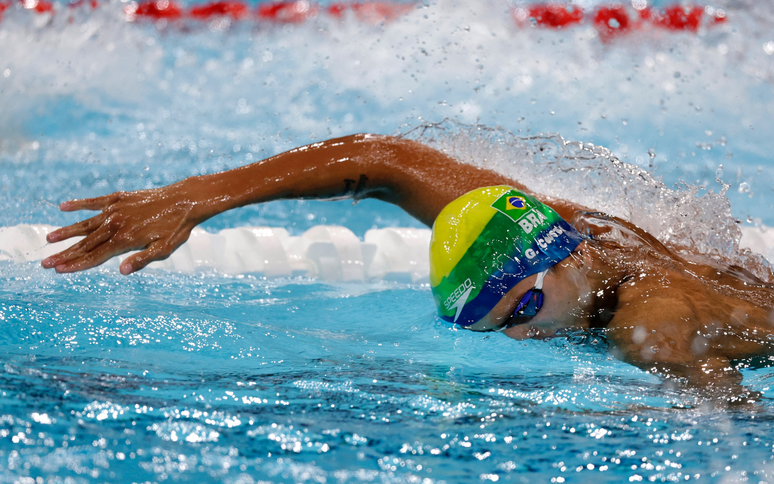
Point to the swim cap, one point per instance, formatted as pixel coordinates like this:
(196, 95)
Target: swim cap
(488, 240)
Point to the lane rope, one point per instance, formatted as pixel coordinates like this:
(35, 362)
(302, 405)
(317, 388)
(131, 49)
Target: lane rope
(610, 21)
(326, 252)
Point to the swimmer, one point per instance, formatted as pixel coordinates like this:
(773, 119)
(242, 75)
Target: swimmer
(502, 257)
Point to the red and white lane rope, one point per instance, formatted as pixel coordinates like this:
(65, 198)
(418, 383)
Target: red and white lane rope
(611, 21)
(615, 20)
(277, 12)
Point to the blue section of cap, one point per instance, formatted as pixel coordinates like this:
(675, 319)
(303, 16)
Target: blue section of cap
(519, 267)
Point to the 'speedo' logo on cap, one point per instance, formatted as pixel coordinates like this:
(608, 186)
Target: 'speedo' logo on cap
(459, 297)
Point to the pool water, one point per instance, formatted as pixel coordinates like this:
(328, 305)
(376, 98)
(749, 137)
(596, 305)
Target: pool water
(204, 377)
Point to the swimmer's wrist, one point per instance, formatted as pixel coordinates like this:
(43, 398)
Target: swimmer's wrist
(216, 193)
(205, 194)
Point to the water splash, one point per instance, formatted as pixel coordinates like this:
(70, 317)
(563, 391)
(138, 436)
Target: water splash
(593, 176)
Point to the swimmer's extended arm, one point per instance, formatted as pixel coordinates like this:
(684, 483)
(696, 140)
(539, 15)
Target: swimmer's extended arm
(417, 178)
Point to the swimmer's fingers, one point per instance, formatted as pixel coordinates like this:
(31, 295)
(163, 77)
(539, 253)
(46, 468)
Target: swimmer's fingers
(94, 254)
(158, 250)
(97, 203)
(155, 251)
(87, 226)
(84, 227)
(78, 250)
(93, 258)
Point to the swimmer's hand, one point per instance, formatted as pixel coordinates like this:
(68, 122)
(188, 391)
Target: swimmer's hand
(156, 222)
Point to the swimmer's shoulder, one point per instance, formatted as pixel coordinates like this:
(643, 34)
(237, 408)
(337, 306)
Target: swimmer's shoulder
(652, 325)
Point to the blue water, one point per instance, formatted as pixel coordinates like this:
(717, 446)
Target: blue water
(209, 379)
(201, 377)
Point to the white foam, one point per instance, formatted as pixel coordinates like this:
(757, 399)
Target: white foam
(688, 219)
(759, 240)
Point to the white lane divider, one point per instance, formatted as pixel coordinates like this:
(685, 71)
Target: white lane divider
(326, 252)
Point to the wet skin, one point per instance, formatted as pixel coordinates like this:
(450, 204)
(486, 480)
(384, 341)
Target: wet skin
(662, 313)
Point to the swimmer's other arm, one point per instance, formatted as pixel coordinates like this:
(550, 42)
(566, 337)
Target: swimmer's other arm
(417, 178)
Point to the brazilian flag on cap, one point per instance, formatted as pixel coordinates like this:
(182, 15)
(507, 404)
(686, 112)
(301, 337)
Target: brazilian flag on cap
(488, 240)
